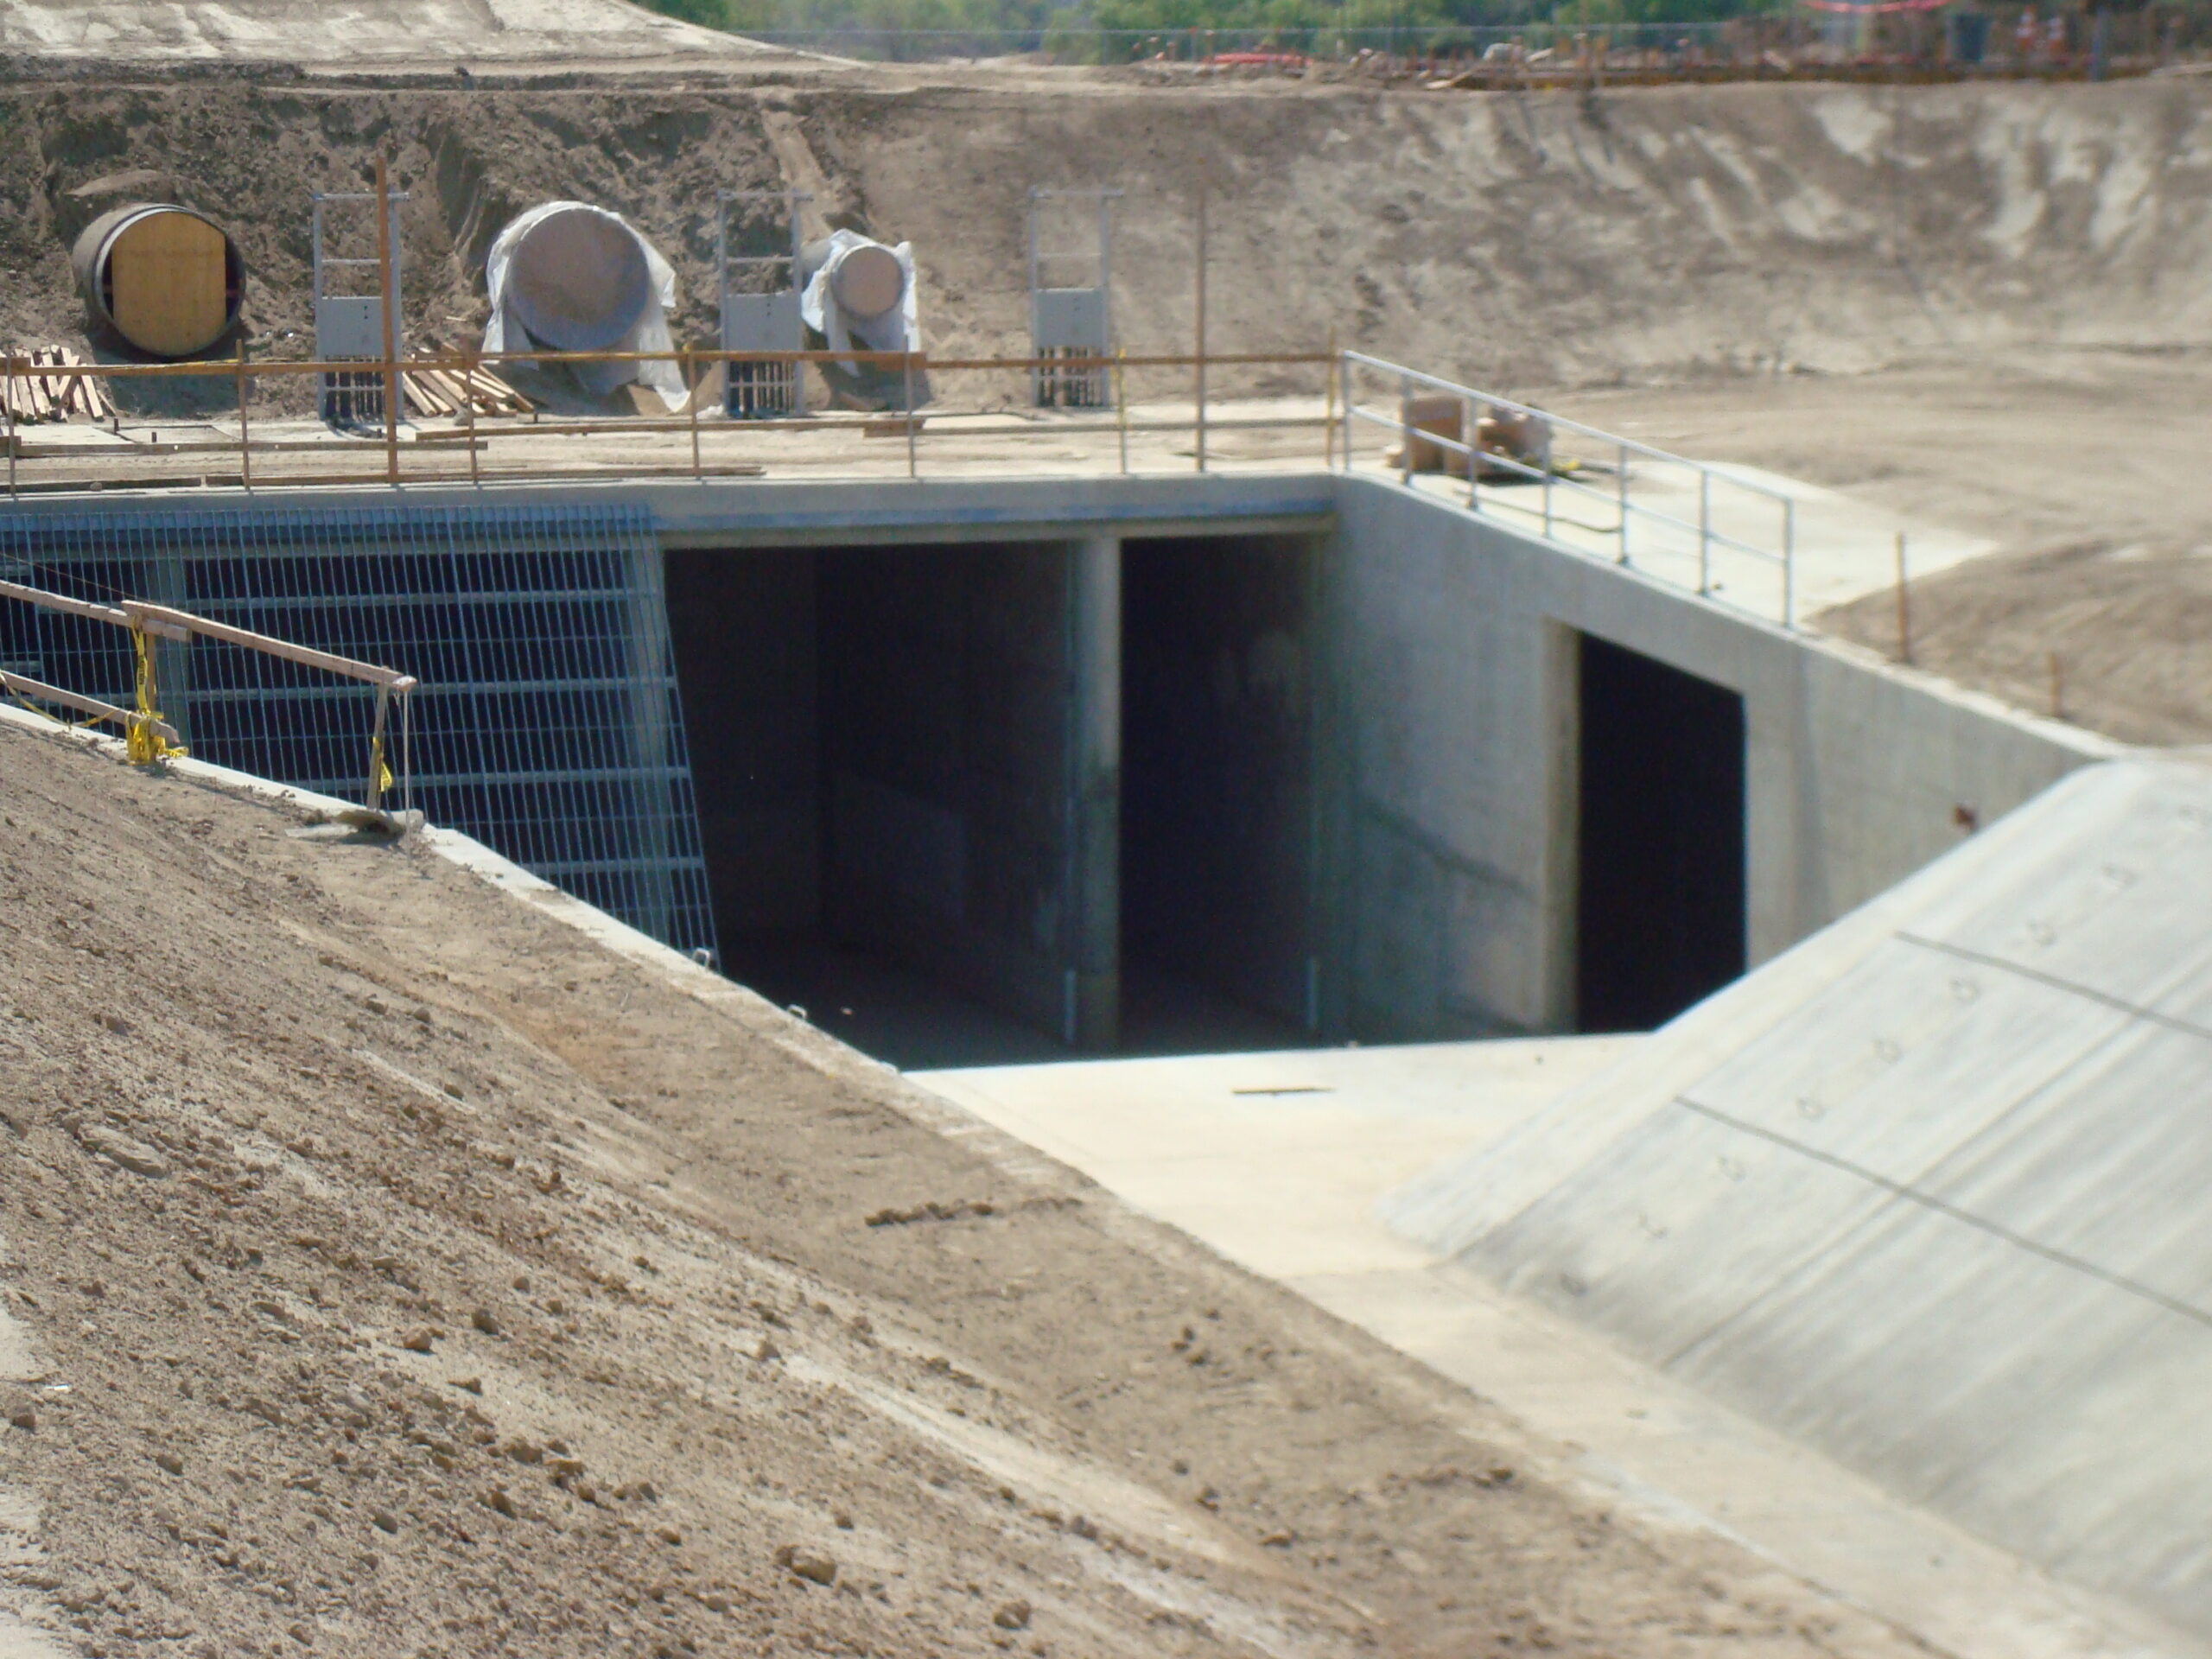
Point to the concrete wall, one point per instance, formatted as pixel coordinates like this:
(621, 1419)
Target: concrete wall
(1450, 893)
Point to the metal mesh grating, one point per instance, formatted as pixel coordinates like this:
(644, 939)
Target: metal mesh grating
(548, 724)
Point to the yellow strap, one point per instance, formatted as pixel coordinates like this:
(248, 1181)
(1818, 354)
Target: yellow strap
(385, 780)
(146, 744)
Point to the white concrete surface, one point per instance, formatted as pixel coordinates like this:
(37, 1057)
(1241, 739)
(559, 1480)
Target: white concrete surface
(1927, 1193)
(1276, 1160)
(381, 34)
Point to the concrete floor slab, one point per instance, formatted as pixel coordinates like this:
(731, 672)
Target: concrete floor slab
(1277, 1161)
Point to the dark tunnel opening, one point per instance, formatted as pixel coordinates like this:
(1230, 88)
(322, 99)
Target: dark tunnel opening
(886, 746)
(1218, 809)
(1660, 913)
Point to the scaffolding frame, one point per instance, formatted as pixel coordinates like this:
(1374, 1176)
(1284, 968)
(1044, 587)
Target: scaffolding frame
(760, 320)
(347, 326)
(1071, 322)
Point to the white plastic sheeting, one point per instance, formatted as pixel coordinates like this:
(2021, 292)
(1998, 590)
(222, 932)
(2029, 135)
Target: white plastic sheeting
(1929, 1191)
(898, 329)
(635, 318)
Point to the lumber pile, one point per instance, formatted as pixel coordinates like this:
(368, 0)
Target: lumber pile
(440, 391)
(34, 396)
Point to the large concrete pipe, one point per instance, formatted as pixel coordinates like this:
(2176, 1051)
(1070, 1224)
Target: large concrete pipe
(578, 279)
(856, 294)
(165, 277)
(865, 278)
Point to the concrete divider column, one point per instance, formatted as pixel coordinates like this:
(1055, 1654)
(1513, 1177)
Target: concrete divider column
(1094, 884)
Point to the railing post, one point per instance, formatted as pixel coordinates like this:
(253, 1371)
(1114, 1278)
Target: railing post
(245, 449)
(468, 407)
(1704, 531)
(913, 460)
(15, 441)
(691, 403)
(376, 751)
(1122, 406)
(1329, 420)
(1198, 443)
(1472, 434)
(1405, 430)
(1789, 563)
(1621, 492)
(1547, 479)
(387, 305)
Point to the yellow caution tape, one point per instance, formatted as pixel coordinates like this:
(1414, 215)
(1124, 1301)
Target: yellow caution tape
(146, 743)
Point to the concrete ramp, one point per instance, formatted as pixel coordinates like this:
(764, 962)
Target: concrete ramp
(1932, 1191)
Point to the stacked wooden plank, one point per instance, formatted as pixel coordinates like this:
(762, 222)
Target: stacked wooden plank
(34, 396)
(451, 391)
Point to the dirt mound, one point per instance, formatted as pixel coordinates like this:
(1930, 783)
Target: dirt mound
(398, 1273)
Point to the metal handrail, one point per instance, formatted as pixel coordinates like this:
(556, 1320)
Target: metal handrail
(162, 621)
(1708, 538)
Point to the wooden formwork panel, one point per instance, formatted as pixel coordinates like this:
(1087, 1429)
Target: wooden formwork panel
(170, 290)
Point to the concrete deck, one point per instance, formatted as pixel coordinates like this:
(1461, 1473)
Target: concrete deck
(1276, 1160)
(1845, 548)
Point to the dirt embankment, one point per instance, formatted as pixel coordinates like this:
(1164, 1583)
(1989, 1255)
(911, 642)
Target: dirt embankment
(2087, 467)
(1521, 241)
(402, 1274)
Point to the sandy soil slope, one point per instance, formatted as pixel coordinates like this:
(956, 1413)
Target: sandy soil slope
(401, 1274)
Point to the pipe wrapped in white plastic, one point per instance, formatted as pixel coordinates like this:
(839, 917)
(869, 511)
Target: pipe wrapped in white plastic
(573, 277)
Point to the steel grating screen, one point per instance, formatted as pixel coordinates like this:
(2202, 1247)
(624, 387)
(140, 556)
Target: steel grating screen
(548, 724)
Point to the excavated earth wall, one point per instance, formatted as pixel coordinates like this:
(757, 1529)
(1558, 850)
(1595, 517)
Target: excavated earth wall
(1536, 240)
